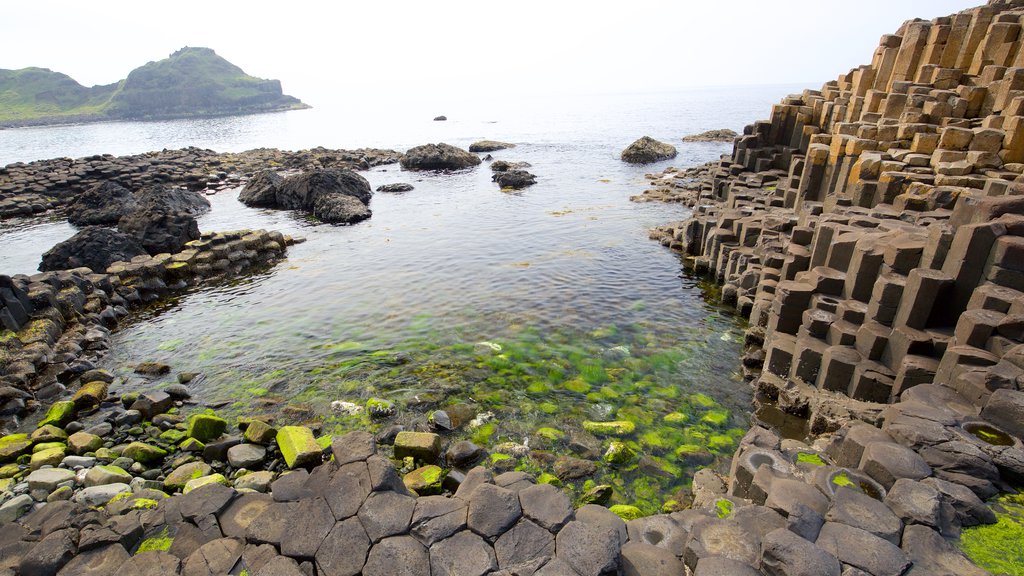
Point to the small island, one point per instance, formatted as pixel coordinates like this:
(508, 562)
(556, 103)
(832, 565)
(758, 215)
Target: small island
(192, 82)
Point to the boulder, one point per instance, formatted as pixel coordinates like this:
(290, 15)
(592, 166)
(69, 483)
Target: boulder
(786, 554)
(101, 205)
(340, 209)
(514, 179)
(298, 446)
(165, 219)
(489, 146)
(396, 187)
(438, 157)
(93, 247)
(173, 200)
(301, 191)
(261, 190)
(424, 446)
(1005, 409)
(647, 150)
(206, 427)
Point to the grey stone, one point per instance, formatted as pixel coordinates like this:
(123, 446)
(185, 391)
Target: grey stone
(492, 510)
(205, 500)
(718, 537)
(235, 519)
(347, 489)
(640, 559)
(556, 567)
(786, 494)
(98, 562)
(783, 553)
(343, 552)
(805, 522)
(246, 455)
(886, 462)
(659, 530)
(474, 478)
(603, 518)
(47, 479)
(588, 549)
(524, 542)
(1005, 409)
(386, 514)
(96, 495)
(515, 481)
(462, 554)
(463, 454)
(258, 481)
(153, 563)
(215, 557)
(969, 509)
(397, 556)
(187, 539)
(437, 517)
(862, 549)
(255, 556)
(546, 505)
(933, 555)
(854, 508)
(101, 475)
(353, 447)
(307, 525)
(280, 566)
(722, 566)
(291, 487)
(915, 502)
(383, 476)
(50, 555)
(267, 528)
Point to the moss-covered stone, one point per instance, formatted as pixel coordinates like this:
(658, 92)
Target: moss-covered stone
(259, 432)
(203, 481)
(423, 446)
(425, 480)
(14, 445)
(9, 470)
(548, 478)
(90, 394)
(676, 418)
(191, 445)
(173, 435)
(59, 414)
(997, 547)
(552, 434)
(809, 458)
(181, 475)
(48, 433)
(616, 428)
(49, 457)
(598, 494)
(723, 507)
(298, 446)
(715, 417)
(83, 442)
(48, 446)
(380, 408)
(626, 512)
(144, 453)
(159, 543)
(206, 427)
(619, 454)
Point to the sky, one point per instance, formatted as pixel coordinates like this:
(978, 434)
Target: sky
(320, 50)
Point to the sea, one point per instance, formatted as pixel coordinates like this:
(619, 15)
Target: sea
(525, 312)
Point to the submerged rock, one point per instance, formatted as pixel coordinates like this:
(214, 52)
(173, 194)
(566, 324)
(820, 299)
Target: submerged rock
(95, 248)
(438, 157)
(646, 150)
(102, 205)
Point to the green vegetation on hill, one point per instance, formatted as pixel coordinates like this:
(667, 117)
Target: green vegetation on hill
(191, 82)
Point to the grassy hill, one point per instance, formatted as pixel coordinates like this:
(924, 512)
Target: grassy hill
(191, 82)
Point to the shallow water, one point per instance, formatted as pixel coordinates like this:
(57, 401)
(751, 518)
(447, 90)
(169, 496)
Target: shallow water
(544, 308)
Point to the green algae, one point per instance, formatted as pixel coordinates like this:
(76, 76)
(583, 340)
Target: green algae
(723, 507)
(159, 543)
(842, 479)
(997, 547)
(810, 458)
(626, 512)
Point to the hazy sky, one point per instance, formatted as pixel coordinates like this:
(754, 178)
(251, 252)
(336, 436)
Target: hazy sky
(322, 49)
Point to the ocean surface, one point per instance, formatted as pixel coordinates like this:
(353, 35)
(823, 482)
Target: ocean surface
(524, 312)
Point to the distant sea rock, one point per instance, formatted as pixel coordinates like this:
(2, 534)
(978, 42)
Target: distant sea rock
(489, 146)
(438, 157)
(396, 187)
(333, 196)
(440, 118)
(94, 247)
(514, 179)
(647, 150)
(104, 204)
(722, 135)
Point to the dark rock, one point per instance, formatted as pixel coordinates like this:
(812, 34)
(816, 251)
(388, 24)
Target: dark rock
(153, 563)
(384, 477)
(969, 509)
(935, 556)
(862, 549)
(514, 179)
(463, 454)
(397, 556)
(886, 462)
(173, 200)
(489, 146)
(300, 192)
(640, 559)
(524, 542)
(267, 528)
(783, 553)
(720, 135)
(340, 209)
(98, 562)
(153, 403)
(915, 502)
(215, 557)
(308, 523)
(465, 553)
(492, 510)
(101, 205)
(588, 549)
(240, 513)
(205, 500)
(352, 447)
(93, 247)
(50, 555)
(261, 190)
(158, 230)
(343, 552)
(546, 505)
(569, 468)
(437, 517)
(348, 487)
(438, 157)
(477, 476)
(397, 187)
(854, 508)
(386, 514)
(440, 118)
(646, 150)
(604, 518)
(291, 487)
(1005, 409)
(502, 165)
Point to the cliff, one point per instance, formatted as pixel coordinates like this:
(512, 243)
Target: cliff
(191, 82)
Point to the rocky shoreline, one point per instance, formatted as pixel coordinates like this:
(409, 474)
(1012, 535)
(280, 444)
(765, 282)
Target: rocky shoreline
(872, 231)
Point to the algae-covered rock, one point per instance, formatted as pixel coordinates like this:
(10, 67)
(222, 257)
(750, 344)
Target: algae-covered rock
(626, 512)
(48, 457)
(423, 446)
(206, 427)
(192, 445)
(48, 446)
(616, 428)
(103, 475)
(259, 432)
(619, 454)
(82, 442)
(90, 394)
(203, 481)
(181, 475)
(14, 445)
(425, 480)
(598, 494)
(59, 414)
(646, 150)
(48, 433)
(380, 408)
(144, 453)
(298, 446)
(676, 418)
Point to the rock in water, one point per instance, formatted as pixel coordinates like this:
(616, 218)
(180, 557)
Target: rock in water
(102, 205)
(514, 179)
(95, 248)
(438, 157)
(165, 218)
(489, 146)
(397, 187)
(174, 200)
(340, 209)
(300, 192)
(646, 150)
(440, 118)
(261, 190)
(722, 135)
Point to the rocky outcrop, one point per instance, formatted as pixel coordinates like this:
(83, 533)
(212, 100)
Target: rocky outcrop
(333, 196)
(164, 219)
(647, 150)
(396, 187)
(489, 146)
(438, 157)
(102, 205)
(95, 248)
(514, 179)
(721, 135)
